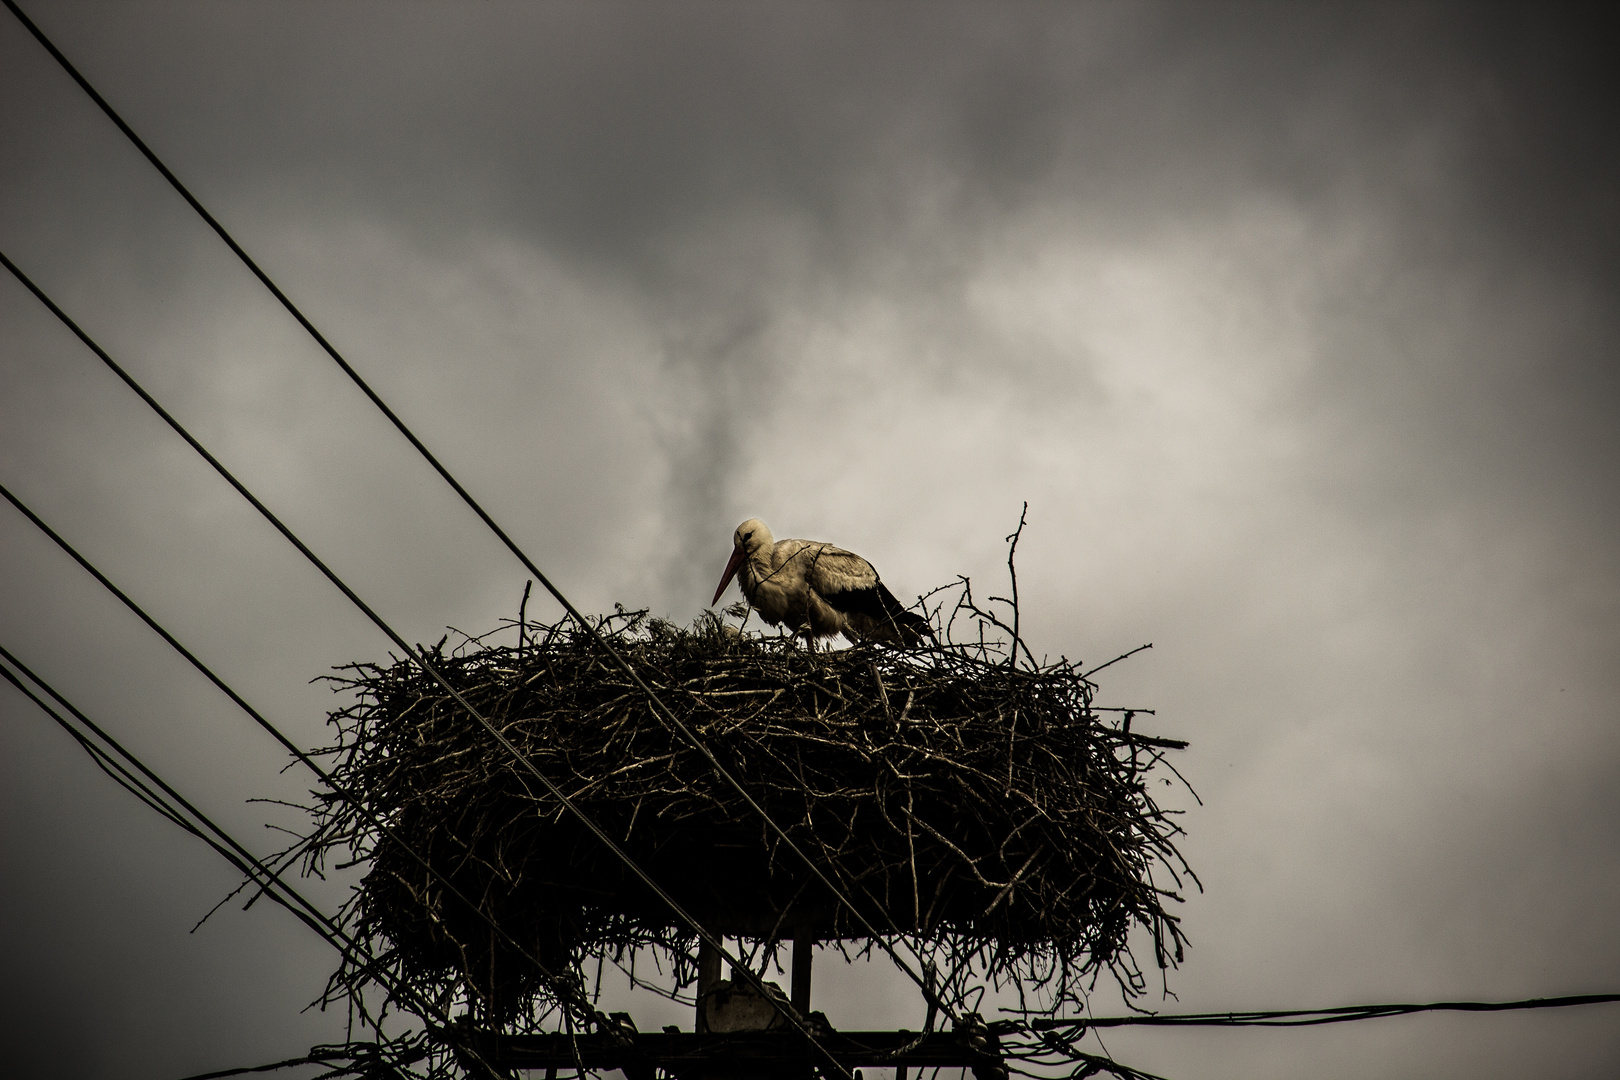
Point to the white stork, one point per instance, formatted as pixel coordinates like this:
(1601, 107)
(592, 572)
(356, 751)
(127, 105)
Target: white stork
(816, 588)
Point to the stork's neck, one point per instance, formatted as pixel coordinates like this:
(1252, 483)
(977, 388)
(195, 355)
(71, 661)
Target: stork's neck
(757, 566)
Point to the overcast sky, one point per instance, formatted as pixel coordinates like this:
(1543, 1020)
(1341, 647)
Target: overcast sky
(1296, 325)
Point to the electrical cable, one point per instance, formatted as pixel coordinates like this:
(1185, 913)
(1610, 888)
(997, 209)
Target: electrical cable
(133, 784)
(222, 842)
(569, 995)
(105, 761)
(332, 1056)
(658, 705)
(421, 657)
(1314, 1017)
(307, 1059)
(137, 787)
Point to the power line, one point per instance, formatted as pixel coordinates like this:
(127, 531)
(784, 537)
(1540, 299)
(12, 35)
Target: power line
(659, 708)
(421, 657)
(249, 865)
(233, 852)
(329, 1056)
(307, 1059)
(566, 993)
(137, 787)
(1314, 1017)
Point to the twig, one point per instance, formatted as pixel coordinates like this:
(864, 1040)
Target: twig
(523, 621)
(1012, 572)
(1117, 659)
(883, 693)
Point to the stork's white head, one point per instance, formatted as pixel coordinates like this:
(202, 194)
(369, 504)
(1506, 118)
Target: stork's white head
(751, 536)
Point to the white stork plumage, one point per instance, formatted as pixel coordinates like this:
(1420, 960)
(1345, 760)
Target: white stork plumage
(816, 588)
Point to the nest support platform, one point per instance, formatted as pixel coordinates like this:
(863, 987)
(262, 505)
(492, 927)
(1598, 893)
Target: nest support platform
(782, 1054)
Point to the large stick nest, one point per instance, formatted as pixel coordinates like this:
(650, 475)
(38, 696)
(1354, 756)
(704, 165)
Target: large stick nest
(981, 811)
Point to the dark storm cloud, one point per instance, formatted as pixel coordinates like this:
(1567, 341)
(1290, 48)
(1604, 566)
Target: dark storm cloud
(638, 138)
(609, 127)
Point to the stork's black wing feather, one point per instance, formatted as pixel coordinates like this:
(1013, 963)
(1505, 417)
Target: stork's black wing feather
(868, 601)
(879, 604)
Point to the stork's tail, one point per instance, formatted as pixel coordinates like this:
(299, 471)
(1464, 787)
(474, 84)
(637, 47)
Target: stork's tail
(909, 627)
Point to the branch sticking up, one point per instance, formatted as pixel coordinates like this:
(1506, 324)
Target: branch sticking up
(1012, 572)
(523, 618)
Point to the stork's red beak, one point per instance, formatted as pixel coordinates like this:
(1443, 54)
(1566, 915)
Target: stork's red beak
(731, 570)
